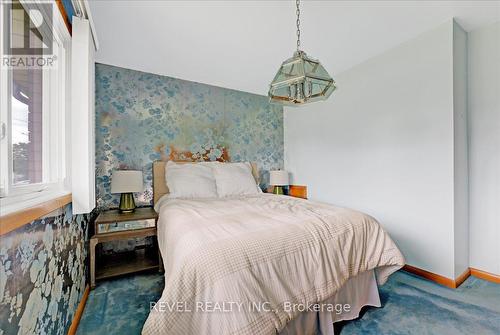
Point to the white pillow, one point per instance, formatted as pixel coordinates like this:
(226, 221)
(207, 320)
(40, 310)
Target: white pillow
(190, 180)
(234, 179)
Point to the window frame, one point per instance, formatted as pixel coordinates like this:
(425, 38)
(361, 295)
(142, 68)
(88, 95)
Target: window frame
(55, 114)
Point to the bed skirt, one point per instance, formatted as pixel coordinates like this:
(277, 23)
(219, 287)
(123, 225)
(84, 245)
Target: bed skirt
(346, 304)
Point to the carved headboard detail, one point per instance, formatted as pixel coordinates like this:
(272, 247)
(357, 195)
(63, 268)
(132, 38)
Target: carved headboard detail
(217, 153)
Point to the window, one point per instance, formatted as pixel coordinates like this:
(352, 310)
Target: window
(27, 126)
(33, 100)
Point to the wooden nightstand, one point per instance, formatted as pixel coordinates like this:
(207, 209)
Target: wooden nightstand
(297, 191)
(112, 225)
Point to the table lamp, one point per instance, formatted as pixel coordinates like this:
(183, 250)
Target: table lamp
(278, 179)
(126, 182)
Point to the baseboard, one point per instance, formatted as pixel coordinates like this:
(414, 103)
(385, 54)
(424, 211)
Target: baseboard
(453, 283)
(485, 275)
(79, 312)
(460, 279)
(430, 276)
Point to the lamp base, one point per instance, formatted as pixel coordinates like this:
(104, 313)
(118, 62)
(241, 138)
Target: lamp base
(278, 190)
(127, 203)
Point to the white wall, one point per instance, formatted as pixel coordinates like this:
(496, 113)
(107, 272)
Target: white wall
(484, 148)
(384, 144)
(461, 164)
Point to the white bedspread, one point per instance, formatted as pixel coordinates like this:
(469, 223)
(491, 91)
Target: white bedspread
(246, 265)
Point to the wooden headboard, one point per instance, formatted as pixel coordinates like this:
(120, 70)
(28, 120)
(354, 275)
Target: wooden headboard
(160, 185)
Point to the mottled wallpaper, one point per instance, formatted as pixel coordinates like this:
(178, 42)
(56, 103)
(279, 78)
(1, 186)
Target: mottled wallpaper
(43, 273)
(142, 117)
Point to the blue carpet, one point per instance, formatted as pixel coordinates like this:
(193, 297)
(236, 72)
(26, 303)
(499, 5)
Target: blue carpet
(120, 306)
(411, 305)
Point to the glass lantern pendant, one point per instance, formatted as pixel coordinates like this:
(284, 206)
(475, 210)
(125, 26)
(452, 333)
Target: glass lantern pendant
(300, 79)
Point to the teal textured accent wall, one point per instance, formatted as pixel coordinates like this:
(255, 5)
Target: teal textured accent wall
(43, 273)
(143, 117)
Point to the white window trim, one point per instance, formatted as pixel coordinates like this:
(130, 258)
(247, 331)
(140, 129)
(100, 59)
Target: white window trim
(4, 117)
(54, 126)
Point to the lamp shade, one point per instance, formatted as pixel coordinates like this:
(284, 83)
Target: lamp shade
(278, 178)
(301, 79)
(126, 181)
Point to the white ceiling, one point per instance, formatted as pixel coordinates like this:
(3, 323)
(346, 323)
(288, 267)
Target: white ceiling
(240, 44)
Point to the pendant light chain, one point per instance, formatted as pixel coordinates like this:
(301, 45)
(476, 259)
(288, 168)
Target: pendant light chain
(297, 4)
(300, 79)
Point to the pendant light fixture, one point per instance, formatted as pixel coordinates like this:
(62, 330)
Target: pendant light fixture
(300, 79)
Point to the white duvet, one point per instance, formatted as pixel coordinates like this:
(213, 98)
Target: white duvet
(246, 265)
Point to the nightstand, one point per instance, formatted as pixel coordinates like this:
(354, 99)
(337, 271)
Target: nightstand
(297, 191)
(111, 225)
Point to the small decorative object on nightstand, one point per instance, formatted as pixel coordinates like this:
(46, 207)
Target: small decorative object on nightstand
(112, 225)
(297, 191)
(126, 182)
(278, 179)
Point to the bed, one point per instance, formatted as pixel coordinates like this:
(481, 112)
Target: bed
(264, 264)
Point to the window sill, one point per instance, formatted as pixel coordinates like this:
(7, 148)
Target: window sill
(16, 211)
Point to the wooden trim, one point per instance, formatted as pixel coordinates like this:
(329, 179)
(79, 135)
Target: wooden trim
(64, 15)
(18, 219)
(451, 283)
(79, 312)
(460, 279)
(485, 275)
(494, 278)
(430, 276)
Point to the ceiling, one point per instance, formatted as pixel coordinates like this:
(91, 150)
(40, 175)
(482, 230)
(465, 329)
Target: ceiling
(240, 44)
